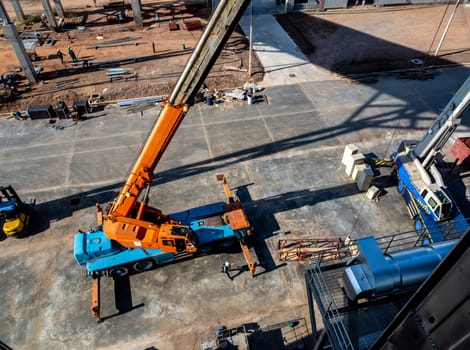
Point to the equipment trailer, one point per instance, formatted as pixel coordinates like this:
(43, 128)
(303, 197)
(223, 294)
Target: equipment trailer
(132, 234)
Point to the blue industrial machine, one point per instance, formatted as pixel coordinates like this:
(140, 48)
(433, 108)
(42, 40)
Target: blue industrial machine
(375, 274)
(419, 181)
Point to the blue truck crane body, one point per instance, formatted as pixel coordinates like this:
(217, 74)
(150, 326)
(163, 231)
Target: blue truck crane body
(422, 212)
(100, 255)
(419, 181)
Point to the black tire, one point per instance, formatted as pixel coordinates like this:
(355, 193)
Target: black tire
(143, 265)
(119, 271)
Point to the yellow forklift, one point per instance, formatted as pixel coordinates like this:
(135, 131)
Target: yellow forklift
(14, 213)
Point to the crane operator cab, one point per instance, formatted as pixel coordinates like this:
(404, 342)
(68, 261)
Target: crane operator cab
(177, 239)
(437, 202)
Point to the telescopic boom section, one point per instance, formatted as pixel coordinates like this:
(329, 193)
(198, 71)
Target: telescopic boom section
(444, 126)
(142, 174)
(127, 221)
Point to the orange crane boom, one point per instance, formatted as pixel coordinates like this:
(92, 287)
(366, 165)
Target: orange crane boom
(129, 220)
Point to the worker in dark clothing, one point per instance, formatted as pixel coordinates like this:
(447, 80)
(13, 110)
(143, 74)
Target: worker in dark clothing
(60, 56)
(226, 267)
(72, 54)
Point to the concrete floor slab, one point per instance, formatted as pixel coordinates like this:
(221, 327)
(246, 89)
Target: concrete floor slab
(282, 60)
(285, 167)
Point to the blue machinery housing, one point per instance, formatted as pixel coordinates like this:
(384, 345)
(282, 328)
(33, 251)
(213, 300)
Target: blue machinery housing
(376, 274)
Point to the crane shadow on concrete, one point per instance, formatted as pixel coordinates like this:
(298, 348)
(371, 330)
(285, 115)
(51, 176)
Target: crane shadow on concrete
(358, 52)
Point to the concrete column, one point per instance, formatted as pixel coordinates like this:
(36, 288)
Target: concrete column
(4, 14)
(18, 10)
(14, 38)
(136, 10)
(60, 8)
(49, 14)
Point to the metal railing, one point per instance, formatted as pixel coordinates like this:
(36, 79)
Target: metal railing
(326, 268)
(332, 318)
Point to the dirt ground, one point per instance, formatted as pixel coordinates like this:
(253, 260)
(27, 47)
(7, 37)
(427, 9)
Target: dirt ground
(346, 42)
(153, 55)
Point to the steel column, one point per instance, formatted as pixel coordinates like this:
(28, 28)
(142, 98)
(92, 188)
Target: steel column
(13, 37)
(60, 8)
(4, 14)
(137, 12)
(311, 308)
(49, 14)
(18, 10)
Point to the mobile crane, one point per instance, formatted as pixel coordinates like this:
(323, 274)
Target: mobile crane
(419, 180)
(131, 235)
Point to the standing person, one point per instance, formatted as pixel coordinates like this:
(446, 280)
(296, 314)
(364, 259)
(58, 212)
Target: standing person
(72, 54)
(60, 56)
(226, 267)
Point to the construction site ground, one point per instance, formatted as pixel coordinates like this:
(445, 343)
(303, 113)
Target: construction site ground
(152, 55)
(282, 155)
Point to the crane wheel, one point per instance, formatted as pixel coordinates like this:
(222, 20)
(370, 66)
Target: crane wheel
(120, 271)
(143, 265)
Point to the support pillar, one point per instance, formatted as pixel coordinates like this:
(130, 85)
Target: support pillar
(49, 14)
(17, 44)
(60, 8)
(4, 14)
(18, 10)
(137, 12)
(311, 308)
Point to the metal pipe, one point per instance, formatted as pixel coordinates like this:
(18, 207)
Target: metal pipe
(447, 28)
(250, 71)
